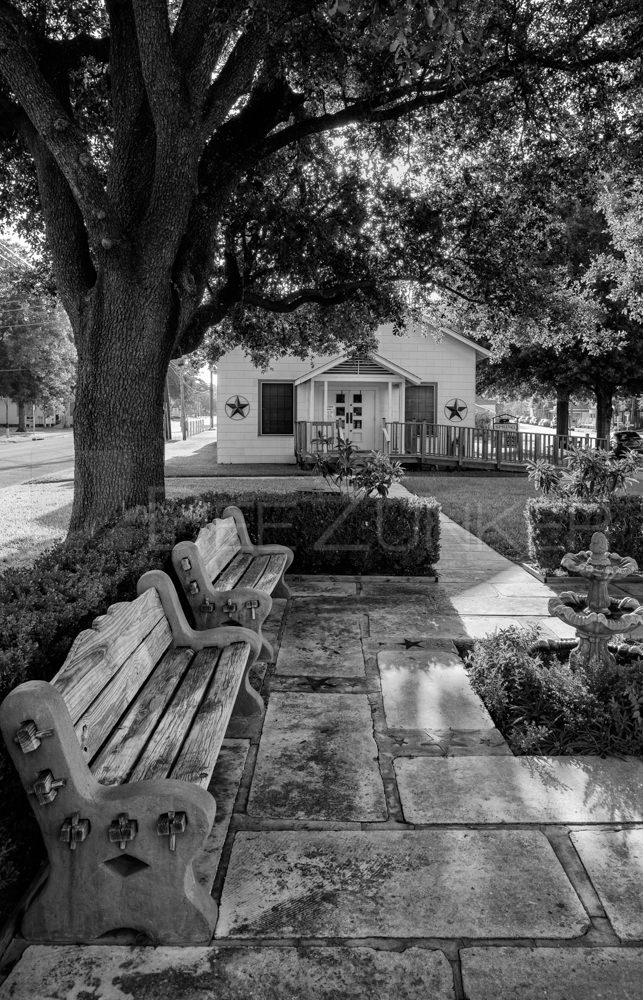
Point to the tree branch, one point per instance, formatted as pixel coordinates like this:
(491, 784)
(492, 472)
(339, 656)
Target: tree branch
(235, 78)
(11, 117)
(131, 170)
(160, 71)
(51, 120)
(66, 234)
(202, 31)
(385, 107)
(305, 296)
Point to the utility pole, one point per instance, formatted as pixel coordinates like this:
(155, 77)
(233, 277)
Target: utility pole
(183, 427)
(211, 399)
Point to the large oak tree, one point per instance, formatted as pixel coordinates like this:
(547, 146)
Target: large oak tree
(166, 141)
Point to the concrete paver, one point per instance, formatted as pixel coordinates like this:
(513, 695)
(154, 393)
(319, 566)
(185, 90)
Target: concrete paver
(321, 645)
(425, 623)
(429, 883)
(429, 689)
(385, 586)
(117, 973)
(331, 586)
(552, 974)
(614, 861)
(318, 760)
(521, 790)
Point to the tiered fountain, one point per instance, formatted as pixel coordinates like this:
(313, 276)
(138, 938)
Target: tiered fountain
(597, 617)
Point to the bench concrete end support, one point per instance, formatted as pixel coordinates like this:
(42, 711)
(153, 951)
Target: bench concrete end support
(97, 884)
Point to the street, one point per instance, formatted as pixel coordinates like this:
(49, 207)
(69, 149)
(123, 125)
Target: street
(22, 458)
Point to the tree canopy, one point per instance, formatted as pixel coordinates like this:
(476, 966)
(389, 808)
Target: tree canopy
(37, 356)
(228, 166)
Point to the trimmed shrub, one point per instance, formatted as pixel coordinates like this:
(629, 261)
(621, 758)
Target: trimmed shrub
(331, 533)
(43, 608)
(542, 706)
(556, 526)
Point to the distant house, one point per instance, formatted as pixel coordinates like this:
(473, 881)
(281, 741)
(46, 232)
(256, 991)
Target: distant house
(37, 416)
(261, 415)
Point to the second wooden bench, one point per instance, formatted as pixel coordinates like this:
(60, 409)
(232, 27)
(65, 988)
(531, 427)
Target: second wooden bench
(227, 579)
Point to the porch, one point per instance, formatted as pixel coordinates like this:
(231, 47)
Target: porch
(421, 444)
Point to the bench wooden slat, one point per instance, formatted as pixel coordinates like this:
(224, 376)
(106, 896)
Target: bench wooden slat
(99, 652)
(163, 748)
(97, 721)
(117, 759)
(200, 751)
(233, 573)
(252, 575)
(218, 543)
(271, 574)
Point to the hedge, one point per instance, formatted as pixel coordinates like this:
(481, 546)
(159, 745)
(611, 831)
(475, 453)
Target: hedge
(557, 526)
(44, 607)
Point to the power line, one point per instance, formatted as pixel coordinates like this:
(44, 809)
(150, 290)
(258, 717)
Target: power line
(9, 249)
(26, 308)
(24, 326)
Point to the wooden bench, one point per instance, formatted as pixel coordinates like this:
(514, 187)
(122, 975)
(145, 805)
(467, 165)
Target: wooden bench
(116, 755)
(226, 579)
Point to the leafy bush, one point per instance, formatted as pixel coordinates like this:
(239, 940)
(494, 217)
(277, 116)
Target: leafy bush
(356, 474)
(557, 525)
(591, 474)
(542, 706)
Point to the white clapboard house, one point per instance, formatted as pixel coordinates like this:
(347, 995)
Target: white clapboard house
(396, 399)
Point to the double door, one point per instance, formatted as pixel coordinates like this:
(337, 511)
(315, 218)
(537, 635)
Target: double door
(355, 411)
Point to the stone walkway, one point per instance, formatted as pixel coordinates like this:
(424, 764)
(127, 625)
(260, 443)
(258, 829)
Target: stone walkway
(375, 836)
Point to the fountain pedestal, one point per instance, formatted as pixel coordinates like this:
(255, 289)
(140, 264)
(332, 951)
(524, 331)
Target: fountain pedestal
(596, 616)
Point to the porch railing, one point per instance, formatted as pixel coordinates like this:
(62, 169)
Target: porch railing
(450, 445)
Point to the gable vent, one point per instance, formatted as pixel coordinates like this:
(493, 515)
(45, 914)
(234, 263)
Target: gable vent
(359, 364)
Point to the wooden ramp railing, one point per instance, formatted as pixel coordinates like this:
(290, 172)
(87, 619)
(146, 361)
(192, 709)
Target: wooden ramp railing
(418, 442)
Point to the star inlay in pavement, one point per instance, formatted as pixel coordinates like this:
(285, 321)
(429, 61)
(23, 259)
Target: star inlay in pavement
(456, 409)
(237, 407)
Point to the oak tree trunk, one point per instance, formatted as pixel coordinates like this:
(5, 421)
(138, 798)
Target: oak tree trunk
(124, 346)
(604, 409)
(562, 413)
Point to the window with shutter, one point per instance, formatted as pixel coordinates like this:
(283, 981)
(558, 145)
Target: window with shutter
(276, 407)
(420, 403)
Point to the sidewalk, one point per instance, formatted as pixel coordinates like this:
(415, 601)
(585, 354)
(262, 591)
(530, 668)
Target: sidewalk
(375, 837)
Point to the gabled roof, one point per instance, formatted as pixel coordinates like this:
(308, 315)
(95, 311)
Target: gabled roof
(481, 351)
(348, 364)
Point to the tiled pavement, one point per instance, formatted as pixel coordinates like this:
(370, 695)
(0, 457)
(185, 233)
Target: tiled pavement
(375, 836)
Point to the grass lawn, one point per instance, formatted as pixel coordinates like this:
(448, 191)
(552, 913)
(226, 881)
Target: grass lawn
(490, 507)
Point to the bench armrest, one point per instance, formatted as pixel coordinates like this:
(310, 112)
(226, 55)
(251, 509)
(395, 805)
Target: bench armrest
(247, 545)
(182, 633)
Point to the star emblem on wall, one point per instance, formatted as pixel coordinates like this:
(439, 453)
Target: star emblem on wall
(456, 409)
(237, 407)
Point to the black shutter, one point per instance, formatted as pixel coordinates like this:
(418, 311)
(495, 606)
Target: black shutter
(420, 403)
(277, 408)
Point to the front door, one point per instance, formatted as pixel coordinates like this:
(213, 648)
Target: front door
(356, 408)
